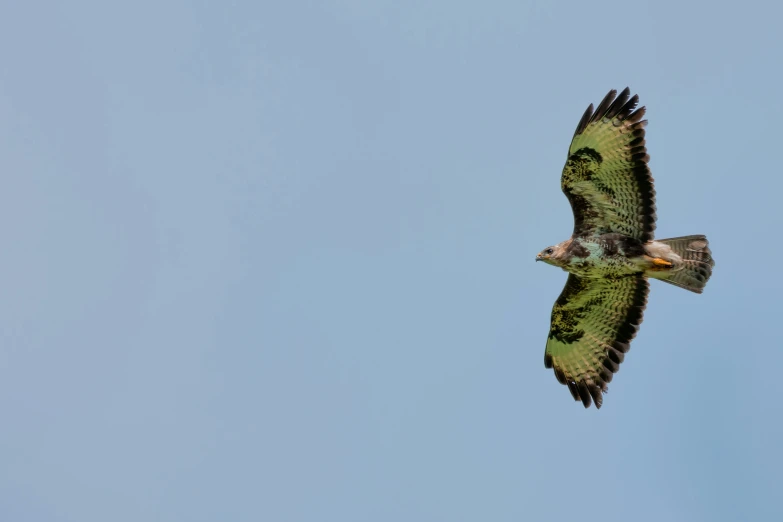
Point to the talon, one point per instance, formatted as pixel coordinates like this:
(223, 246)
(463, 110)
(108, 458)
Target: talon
(658, 261)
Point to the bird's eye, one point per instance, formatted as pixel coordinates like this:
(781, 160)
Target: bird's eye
(548, 251)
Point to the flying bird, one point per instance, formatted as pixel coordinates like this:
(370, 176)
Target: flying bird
(611, 253)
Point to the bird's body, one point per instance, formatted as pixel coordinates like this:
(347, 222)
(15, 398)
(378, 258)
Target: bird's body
(599, 256)
(611, 252)
(613, 255)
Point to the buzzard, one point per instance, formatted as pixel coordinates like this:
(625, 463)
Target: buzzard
(611, 253)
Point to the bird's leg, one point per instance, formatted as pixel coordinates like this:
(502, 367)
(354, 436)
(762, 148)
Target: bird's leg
(659, 263)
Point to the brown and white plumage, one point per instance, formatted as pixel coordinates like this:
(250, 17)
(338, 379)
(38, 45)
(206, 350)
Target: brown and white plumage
(611, 252)
(606, 178)
(593, 322)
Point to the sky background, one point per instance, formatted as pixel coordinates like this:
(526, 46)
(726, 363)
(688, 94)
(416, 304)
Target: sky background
(274, 261)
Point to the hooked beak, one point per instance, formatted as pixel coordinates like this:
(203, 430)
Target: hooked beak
(538, 257)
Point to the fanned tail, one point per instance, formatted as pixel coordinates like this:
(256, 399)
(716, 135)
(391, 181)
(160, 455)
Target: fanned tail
(696, 267)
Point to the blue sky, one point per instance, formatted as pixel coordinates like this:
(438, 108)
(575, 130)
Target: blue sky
(275, 261)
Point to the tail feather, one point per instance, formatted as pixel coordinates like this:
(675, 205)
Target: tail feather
(697, 263)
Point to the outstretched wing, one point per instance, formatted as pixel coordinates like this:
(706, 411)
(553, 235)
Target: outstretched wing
(606, 178)
(593, 322)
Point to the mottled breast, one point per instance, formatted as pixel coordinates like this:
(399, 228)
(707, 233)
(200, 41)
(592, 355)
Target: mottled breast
(602, 256)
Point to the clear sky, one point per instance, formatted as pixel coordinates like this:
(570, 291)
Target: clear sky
(274, 261)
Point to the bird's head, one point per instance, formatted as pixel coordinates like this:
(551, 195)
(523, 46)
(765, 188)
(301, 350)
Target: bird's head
(551, 255)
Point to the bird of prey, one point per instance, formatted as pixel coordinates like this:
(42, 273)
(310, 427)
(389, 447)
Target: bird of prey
(611, 253)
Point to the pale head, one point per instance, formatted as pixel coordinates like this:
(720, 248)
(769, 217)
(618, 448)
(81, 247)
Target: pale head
(554, 255)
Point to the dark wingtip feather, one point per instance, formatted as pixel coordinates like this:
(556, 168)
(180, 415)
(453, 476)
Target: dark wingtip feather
(615, 355)
(616, 107)
(604, 105)
(637, 115)
(595, 393)
(627, 109)
(574, 390)
(584, 393)
(585, 120)
(610, 365)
